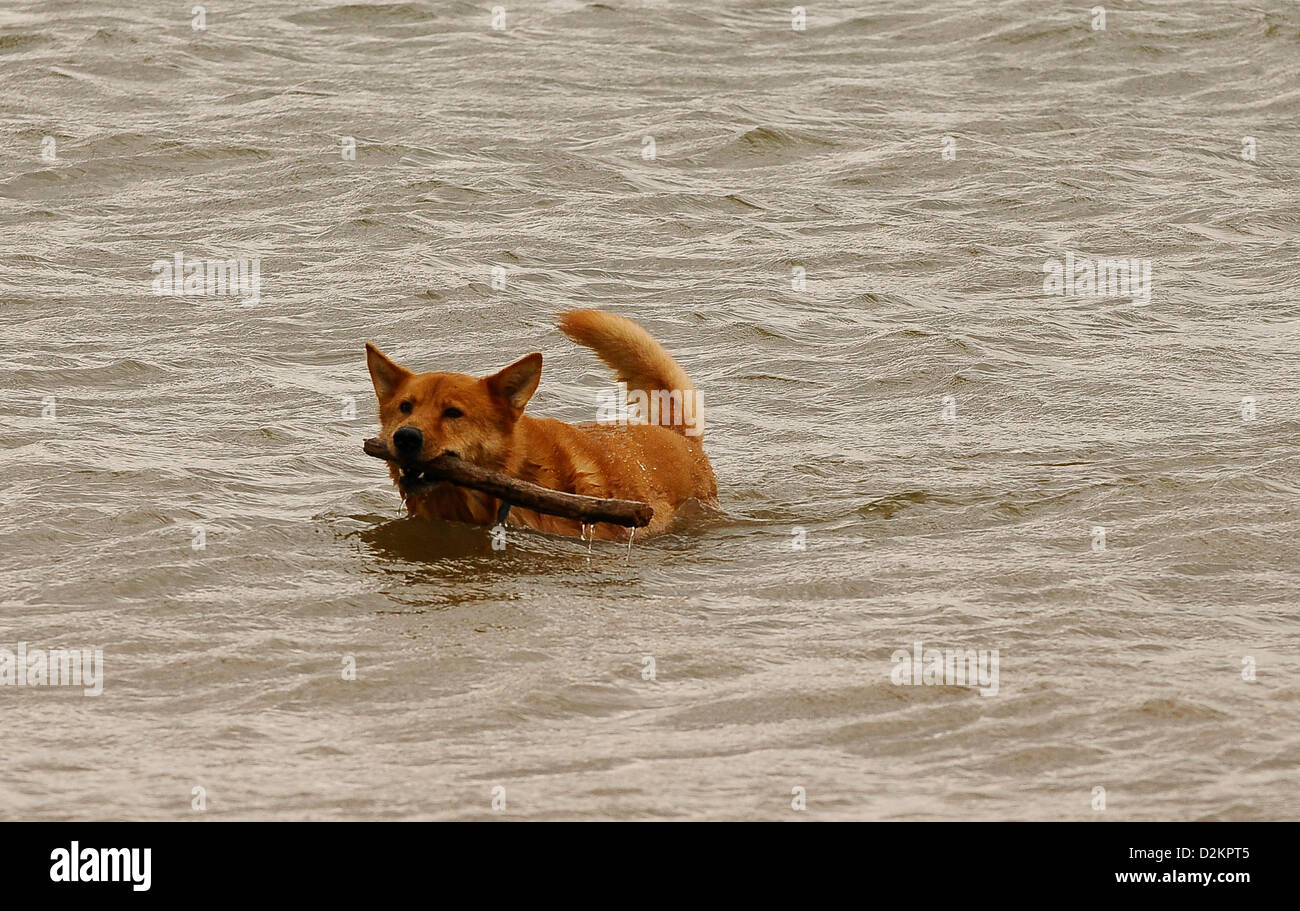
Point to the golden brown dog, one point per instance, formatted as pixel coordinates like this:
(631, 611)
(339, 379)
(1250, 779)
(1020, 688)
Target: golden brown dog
(654, 457)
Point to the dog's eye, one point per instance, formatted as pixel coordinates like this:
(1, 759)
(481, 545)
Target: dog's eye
(406, 407)
(453, 413)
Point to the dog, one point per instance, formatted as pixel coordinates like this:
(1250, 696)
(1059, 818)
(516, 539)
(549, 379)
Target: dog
(482, 420)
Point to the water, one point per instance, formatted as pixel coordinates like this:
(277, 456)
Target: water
(774, 149)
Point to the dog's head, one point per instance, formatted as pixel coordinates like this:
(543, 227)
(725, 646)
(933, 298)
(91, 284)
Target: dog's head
(424, 415)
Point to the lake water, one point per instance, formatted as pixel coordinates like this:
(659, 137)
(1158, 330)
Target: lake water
(840, 232)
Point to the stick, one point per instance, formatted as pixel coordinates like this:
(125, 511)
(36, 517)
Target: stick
(588, 510)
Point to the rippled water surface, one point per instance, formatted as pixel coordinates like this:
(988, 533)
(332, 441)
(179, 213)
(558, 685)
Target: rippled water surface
(774, 150)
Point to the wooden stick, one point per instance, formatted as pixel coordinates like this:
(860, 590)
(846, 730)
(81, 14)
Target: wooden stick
(588, 510)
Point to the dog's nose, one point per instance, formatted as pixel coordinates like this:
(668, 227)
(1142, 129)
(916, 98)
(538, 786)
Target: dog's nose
(408, 441)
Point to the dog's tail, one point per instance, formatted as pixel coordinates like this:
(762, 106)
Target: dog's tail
(636, 359)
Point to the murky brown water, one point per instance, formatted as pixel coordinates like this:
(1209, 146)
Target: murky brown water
(775, 150)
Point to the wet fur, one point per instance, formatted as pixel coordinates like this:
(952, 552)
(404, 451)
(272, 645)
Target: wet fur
(660, 465)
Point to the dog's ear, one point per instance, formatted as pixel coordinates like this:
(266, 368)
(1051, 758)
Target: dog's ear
(517, 383)
(383, 373)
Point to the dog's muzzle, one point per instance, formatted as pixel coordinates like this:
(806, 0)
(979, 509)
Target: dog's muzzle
(414, 480)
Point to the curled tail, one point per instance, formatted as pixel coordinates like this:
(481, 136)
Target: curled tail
(634, 356)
